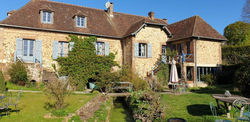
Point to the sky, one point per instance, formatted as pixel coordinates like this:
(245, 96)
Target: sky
(217, 13)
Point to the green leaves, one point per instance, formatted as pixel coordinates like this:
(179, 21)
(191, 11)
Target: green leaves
(238, 33)
(82, 64)
(2, 82)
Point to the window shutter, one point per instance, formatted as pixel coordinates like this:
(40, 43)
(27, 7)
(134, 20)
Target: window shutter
(55, 49)
(164, 59)
(71, 45)
(136, 49)
(19, 48)
(106, 48)
(149, 50)
(38, 53)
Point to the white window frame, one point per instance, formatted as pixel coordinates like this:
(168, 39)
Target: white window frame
(82, 24)
(99, 45)
(62, 50)
(142, 50)
(46, 15)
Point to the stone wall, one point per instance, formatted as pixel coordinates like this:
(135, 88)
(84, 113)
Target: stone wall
(155, 36)
(208, 53)
(8, 38)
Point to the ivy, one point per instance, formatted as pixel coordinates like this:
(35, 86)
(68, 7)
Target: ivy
(82, 63)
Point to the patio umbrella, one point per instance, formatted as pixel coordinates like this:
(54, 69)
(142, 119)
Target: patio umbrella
(173, 73)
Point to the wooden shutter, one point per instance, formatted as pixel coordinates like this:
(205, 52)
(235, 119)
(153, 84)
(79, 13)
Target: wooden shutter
(55, 49)
(136, 49)
(71, 45)
(106, 48)
(19, 48)
(38, 53)
(149, 50)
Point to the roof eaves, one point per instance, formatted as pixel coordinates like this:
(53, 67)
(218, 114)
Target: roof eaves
(59, 31)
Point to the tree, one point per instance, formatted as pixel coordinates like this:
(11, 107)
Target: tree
(2, 82)
(82, 64)
(246, 12)
(238, 33)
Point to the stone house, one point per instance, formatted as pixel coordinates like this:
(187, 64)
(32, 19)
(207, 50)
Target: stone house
(37, 34)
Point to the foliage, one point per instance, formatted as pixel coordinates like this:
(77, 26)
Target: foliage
(83, 64)
(235, 54)
(106, 80)
(38, 87)
(57, 91)
(243, 77)
(2, 82)
(246, 12)
(163, 74)
(60, 113)
(208, 78)
(146, 106)
(18, 73)
(126, 74)
(238, 33)
(75, 119)
(102, 114)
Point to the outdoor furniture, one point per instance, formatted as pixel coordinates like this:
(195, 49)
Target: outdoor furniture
(228, 101)
(213, 110)
(13, 101)
(239, 105)
(3, 105)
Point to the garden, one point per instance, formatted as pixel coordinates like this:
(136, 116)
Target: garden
(64, 100)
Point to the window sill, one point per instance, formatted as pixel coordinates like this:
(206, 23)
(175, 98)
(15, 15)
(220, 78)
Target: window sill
(142, 57)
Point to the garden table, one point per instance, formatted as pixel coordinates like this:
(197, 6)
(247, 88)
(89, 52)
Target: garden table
(2, 97)
(228, 101)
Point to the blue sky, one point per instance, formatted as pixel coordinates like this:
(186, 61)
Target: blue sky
(218, 13)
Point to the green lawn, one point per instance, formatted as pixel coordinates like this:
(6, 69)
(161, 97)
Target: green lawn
(32, 107)
(193, 106)
(17, 87)
(119, 113)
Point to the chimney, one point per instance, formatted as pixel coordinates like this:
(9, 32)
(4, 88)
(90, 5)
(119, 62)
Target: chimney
(166, 20)
(151, 15)
(111, 9)
(11, 12)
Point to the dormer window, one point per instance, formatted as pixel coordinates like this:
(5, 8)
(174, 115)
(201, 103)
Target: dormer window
(47, 17)
(81, 21)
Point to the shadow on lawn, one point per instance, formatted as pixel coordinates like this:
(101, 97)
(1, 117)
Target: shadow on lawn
(199, 110)
(7, 112)
(218, 89)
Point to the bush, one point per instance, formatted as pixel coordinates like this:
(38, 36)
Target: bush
(243, 78)
(18, 73)
(208, 78)
(146, 106)
(57, 91)
(2, 83)
(60, 113)
(75, 119)
(235, 54)
(105, 81)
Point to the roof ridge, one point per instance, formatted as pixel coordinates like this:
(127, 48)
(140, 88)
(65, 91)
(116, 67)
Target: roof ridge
(194, 26)
(96, 9)
(182, 20)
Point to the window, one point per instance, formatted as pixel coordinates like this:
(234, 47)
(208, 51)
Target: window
(63, 49)
(188, 47)
(100, 48)
(28, 48)
(80, 21)
(47, 17)
(164, 49)
(142, 49)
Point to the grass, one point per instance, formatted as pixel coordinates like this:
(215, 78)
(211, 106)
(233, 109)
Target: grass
(193, 106)
(32, 107)
(17, 87)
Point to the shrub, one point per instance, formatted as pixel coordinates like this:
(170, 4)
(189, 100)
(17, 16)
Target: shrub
(18, 73)
(235, 54)
(59, 113)
(75, 119)
(2, 83)
(105, 81)
(163, 74)
(146, 106)
(243, 78)
(57, 91)
(83, 64)
(208, 78)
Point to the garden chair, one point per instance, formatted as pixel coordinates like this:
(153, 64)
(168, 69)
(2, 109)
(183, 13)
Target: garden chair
(214, 113)
(238, 106)
(3, 107)
(13, 101)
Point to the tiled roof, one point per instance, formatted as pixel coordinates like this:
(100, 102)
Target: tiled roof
(98, 21)
(193, 27)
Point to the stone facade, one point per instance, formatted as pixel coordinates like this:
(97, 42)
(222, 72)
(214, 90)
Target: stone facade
(8, 47)
(150, 35)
